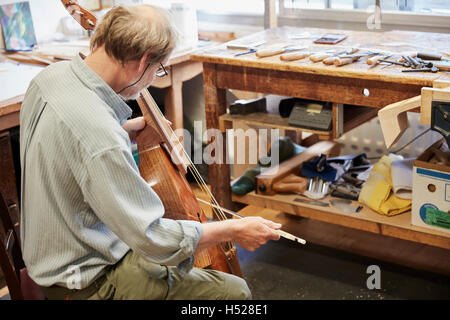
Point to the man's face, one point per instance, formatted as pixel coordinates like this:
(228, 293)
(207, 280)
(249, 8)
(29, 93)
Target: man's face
(149, 75)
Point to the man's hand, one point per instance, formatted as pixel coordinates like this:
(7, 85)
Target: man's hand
(250, 232)
(134, 125)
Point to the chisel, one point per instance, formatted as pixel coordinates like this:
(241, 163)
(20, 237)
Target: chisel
(430, 56)
(343, 60)
(292, 56)
(268, 52)
(375, 60)
(320, 56)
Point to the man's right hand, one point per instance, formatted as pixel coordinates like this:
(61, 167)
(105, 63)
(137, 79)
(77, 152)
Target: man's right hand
(249, 232)
(252, 232)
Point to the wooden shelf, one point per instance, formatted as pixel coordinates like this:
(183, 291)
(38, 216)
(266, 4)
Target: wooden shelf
(398, 226)
(266, 120)
(350, 118)
(412, 254)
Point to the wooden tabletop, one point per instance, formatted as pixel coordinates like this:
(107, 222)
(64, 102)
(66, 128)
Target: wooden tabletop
(395, 42)
(12, 105)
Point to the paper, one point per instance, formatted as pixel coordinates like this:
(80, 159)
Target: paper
(15, 78)
(63, 50)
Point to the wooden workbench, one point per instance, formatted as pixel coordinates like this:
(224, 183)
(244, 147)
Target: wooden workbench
(354, 84)
(361, 89)
(180, 68)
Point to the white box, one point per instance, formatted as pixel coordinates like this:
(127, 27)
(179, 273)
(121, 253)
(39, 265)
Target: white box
(431, 192)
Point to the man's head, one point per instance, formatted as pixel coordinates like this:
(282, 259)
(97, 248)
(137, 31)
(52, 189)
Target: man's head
(140, 38)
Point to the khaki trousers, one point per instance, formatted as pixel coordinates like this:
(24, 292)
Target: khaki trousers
(135, 278)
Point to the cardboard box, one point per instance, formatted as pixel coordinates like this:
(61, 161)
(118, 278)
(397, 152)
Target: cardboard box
(431, 192)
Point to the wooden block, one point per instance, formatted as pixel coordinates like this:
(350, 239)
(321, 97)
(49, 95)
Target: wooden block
(394, 120)
(266, 180)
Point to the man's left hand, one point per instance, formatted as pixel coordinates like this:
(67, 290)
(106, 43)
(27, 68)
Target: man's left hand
(134, 125)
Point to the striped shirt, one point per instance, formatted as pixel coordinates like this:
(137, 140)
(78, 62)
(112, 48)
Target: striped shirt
(84, 204)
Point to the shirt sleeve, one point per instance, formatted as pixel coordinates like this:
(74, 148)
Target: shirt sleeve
(130, 208)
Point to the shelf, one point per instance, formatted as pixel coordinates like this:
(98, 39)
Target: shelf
(398, 226)
(393, 250)
(266, 120)
(345, 118)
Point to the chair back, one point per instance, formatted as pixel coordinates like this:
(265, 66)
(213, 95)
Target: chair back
(19, 283)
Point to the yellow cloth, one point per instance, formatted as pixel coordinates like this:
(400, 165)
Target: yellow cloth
(377, 191)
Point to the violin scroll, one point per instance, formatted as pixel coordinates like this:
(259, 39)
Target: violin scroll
(83, 16)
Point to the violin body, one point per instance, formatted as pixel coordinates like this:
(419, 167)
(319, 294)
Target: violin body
(168, 180)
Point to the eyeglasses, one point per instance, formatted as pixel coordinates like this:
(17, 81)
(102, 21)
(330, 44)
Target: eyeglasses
(161, 71)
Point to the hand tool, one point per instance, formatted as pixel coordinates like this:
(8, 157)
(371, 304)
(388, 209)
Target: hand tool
(395, 62)
(343, 60)
(405, 60)
(375, 61)
(443, 65)
(245, 52)
(432, 69)
(251, 48)
(414, 63)
(344, 205)
(312, 202)
(292, 56)
(320, 56)
(430, 56)
(282, 233)
(268, 52)
(246, 46)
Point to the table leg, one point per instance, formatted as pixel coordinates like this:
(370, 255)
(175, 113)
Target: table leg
(173, 104)
(215, 106)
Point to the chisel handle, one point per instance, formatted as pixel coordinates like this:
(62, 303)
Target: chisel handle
(329, 60)
(429, 56)
(343, 61)
(374, 60)
(268, 52)
(319, 57)
(292, 56)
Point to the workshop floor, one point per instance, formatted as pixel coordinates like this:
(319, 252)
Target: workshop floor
(284, 270)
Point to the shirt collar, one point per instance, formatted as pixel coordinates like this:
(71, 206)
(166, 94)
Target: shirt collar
(101, 88)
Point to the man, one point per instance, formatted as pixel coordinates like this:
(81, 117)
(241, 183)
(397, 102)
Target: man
(91, 227)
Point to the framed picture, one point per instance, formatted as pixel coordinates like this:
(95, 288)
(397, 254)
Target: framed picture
(17, 25)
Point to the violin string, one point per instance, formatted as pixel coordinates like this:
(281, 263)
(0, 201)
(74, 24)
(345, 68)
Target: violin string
(197, 176)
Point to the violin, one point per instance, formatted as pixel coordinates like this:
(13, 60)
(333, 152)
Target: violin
(163, 164)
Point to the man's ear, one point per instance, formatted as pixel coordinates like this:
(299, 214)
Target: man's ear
(143, 61)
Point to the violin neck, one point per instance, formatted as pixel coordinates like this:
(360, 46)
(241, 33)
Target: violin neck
(154, 118)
